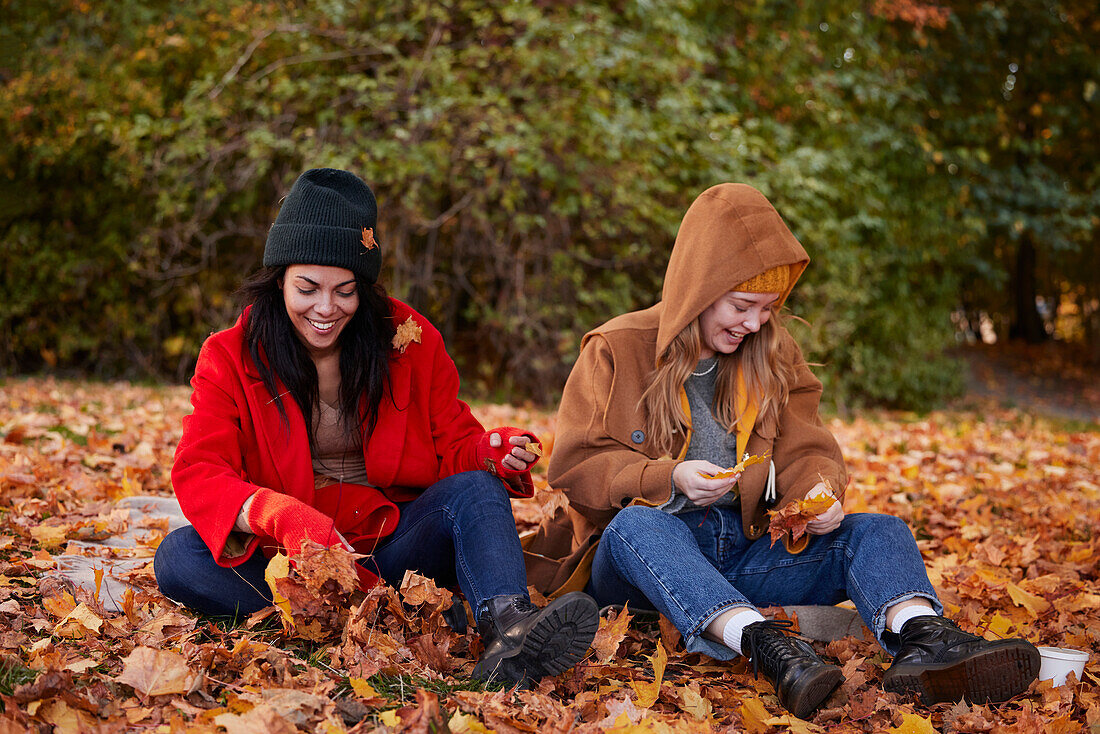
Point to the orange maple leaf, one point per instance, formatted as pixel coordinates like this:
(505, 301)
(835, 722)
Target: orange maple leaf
(368, 238)
(794, 517)
(406, 334)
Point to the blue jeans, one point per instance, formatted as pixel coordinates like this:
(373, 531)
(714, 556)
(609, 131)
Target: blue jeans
(460, 531)
(693, 566)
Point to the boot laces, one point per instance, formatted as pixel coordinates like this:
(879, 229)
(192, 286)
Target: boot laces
(523, 606)
(772, 644)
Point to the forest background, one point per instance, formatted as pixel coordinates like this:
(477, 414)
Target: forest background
(532, 161)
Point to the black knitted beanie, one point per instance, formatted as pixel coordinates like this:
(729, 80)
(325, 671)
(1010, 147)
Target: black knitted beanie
(328, 218)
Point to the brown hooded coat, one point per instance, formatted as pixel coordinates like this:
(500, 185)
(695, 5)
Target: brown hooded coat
(602, 459)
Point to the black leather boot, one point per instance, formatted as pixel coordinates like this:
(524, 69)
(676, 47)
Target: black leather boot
(940, 662)
(524, 643)
(802, 680)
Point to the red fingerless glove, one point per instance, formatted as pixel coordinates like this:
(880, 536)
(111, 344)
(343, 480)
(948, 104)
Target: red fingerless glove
(289, 521)
(491, 459)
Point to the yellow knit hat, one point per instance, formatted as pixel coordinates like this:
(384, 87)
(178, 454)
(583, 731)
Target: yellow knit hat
(775, 280)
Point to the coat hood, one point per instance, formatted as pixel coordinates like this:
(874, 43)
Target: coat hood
(729, 234)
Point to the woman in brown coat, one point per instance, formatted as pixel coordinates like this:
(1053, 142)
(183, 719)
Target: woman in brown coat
(661, 404)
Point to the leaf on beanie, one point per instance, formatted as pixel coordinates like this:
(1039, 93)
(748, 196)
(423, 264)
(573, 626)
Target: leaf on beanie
(407, 333)
(368, 238)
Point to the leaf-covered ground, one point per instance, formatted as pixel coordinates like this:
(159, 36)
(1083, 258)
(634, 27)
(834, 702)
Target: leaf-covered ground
(1006, 509)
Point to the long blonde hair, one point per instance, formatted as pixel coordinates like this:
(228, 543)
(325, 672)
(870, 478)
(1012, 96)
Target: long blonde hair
(767, 378)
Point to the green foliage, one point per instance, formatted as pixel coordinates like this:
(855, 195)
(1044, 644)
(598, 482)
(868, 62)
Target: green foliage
(14, 674)
(531, 162)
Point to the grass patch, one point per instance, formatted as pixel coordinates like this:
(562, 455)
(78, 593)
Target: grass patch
(14, 674)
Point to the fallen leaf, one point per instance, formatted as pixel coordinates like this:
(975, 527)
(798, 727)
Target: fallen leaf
(913, 724)
(610, 635)
(156, 672)
(647, 692)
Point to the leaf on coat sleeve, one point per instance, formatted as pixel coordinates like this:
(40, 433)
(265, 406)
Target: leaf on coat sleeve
(610, 635)
(406, 334)
(156, 672)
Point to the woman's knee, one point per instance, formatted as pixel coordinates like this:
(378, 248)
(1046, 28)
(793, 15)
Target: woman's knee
(475, 488)
(172, 558)
(639, 524)
(876, 525)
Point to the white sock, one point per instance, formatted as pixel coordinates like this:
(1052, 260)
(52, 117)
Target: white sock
(909, 613)
(731, 633)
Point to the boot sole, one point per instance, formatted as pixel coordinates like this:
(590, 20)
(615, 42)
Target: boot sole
(561, 635)
(813, 693)
(990, 676)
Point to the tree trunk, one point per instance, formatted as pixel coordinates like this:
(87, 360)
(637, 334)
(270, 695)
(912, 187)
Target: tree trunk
(1028, 323)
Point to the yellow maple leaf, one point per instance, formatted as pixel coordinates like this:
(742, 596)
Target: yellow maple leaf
(1035, 605)
(533, 448)
(362, 688)
(406, 334)
(754, 715)
(913, 724)
(737, 468)
(647, 693)
(50, 537)
(279, 568)
(695, 703)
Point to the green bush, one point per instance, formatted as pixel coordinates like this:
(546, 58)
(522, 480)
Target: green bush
(531, 162)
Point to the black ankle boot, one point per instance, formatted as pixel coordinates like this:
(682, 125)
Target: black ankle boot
(802, 680)
(940, 662)
(524, 643)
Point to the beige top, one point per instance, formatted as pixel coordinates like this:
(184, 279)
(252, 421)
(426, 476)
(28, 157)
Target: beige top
(337, 454)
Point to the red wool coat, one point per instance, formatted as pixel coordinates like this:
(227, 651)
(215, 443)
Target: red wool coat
(235, 441)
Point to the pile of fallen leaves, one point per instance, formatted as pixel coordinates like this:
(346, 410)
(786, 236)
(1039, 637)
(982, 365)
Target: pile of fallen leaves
(1006, 510)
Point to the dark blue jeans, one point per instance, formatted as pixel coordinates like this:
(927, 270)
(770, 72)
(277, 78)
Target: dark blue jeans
(460, 531)
(693, 566)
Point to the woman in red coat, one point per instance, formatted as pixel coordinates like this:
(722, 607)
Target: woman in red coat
(329, 413)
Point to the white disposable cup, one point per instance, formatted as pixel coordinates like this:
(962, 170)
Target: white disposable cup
(1057, 662)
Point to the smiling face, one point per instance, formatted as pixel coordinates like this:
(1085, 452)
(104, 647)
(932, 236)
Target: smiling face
(320, 301)
(727, 321)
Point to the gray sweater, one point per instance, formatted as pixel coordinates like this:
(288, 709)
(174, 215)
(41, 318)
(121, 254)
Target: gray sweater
(709, 440)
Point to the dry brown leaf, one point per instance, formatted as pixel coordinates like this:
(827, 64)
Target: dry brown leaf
(156, 672)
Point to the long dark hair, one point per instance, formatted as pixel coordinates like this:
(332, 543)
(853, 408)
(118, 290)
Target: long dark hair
(364, 349)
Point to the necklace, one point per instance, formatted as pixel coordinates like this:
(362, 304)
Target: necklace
(707, 371)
